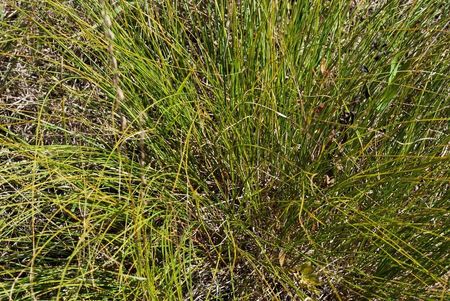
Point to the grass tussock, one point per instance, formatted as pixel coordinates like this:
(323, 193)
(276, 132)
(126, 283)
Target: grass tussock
(224, 150)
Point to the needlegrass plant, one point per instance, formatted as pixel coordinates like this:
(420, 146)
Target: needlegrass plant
(224, 150)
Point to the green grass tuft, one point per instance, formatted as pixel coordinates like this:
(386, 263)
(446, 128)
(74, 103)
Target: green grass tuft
(224, 150)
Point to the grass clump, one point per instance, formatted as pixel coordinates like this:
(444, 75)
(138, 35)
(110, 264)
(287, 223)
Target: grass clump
(224, 150)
